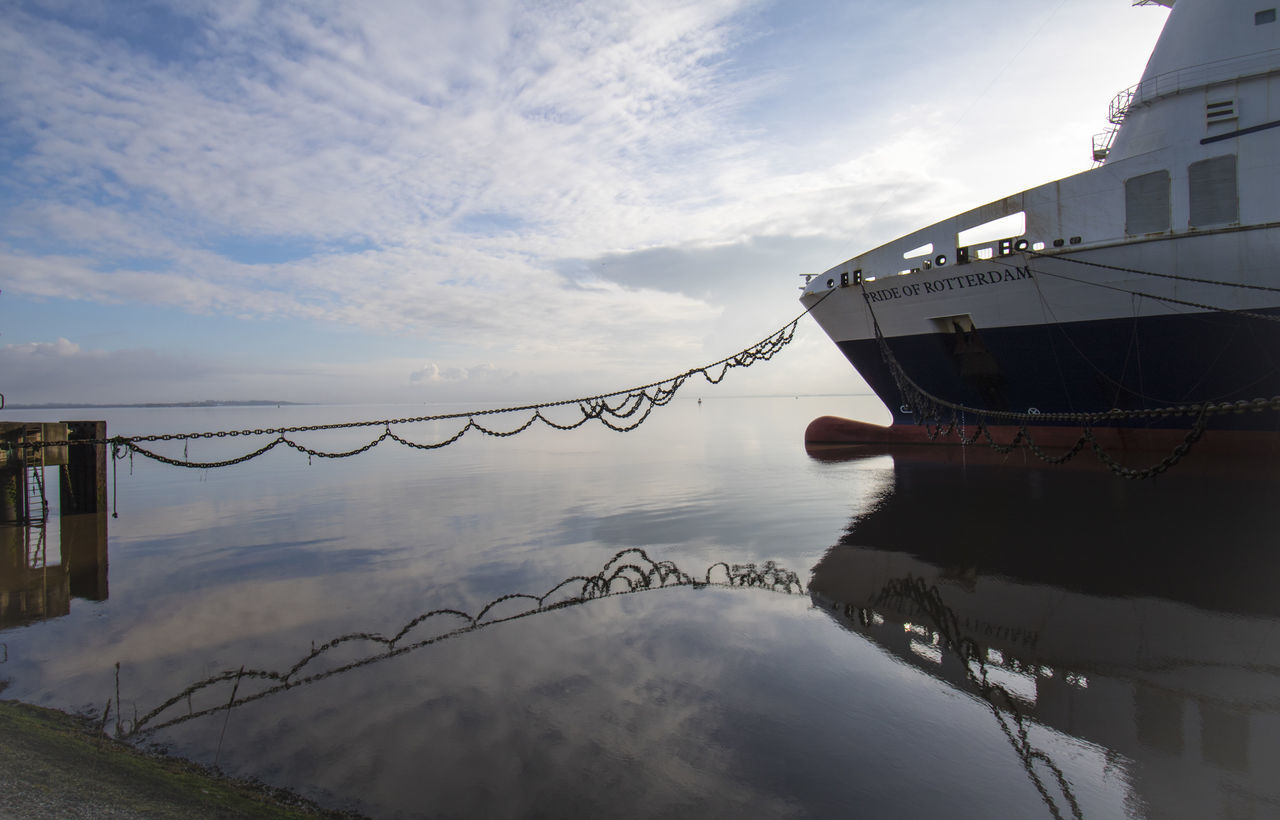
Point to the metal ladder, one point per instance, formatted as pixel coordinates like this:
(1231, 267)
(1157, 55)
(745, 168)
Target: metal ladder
(37, 550)
(36, 503)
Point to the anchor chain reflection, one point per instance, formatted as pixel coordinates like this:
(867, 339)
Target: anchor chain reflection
(627, 572)
(927, 599)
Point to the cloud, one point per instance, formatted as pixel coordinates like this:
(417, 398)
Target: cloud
(561, 187)
(38, 350)
(370, 124)
(64, 371)
(366, 129)
(433, 373)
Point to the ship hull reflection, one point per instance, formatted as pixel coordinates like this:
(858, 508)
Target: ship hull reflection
(1139, 617)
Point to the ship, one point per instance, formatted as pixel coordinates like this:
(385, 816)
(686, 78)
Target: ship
(1136, 304)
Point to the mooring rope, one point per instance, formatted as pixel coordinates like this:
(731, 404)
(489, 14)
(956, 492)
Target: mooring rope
(1266, 317)
(1066, 257)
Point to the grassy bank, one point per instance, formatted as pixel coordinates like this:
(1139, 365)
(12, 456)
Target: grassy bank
(56, 765)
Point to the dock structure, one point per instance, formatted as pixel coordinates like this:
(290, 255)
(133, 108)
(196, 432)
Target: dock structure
(41, 571)
(83, 477)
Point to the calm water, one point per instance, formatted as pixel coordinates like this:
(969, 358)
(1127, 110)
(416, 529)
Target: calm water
(962, 639)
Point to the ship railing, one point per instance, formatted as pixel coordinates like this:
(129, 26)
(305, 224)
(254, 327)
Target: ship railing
(1120, 106)
(1187, 79)
(1102, 143)
(1060, 214)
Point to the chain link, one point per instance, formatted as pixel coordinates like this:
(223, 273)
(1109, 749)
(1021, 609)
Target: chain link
(941, 417)
(630, 409)
(627, 572)
(926, 600)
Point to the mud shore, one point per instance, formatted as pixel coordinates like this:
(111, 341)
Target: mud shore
(57, 765)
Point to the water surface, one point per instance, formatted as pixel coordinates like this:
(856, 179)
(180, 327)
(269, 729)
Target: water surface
(962, 638)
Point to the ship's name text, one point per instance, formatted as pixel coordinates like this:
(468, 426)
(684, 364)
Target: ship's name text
(948, 283)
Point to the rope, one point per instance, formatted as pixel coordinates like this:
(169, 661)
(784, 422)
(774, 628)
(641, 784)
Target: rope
(621, 411)
(1169, 299)
(1176, 277)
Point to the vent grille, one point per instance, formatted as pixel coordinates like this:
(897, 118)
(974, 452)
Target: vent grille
(1220, 111)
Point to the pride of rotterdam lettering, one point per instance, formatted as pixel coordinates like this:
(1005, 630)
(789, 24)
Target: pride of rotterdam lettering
(949, 283)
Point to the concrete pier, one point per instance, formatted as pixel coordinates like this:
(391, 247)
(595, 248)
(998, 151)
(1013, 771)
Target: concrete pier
(83, 486)
(42, 569)
(82, 477)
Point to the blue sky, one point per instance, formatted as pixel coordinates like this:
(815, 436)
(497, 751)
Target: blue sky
(493, 201)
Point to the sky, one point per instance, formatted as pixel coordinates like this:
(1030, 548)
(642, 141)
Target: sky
(497, 200)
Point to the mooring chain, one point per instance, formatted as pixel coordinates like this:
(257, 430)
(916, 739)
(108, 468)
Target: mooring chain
(622, 411)
(1266, 317)
(628, 571)
(927, 598)
(941, 418)
(1087, 438)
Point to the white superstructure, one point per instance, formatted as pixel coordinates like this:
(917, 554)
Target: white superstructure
(1189, 189)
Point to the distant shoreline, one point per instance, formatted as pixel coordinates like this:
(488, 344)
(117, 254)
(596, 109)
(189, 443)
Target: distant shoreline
(269, 403)
(208, 403)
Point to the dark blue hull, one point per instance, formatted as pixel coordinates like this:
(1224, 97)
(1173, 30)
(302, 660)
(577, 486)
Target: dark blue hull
(1089, 367)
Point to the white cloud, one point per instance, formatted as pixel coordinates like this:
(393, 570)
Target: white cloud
(64, 371)
(60, 349)
(459, 173)
(371, 123)
(433, 373)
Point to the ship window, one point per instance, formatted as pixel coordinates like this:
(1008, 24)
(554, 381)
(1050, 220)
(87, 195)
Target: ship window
(1002, 228)
(923, 250)
(1214, 196)
(1146, 203)
(1267, 16)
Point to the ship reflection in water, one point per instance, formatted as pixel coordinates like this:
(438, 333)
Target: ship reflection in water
(1141, 618)
(44, 566)
(622, 634)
